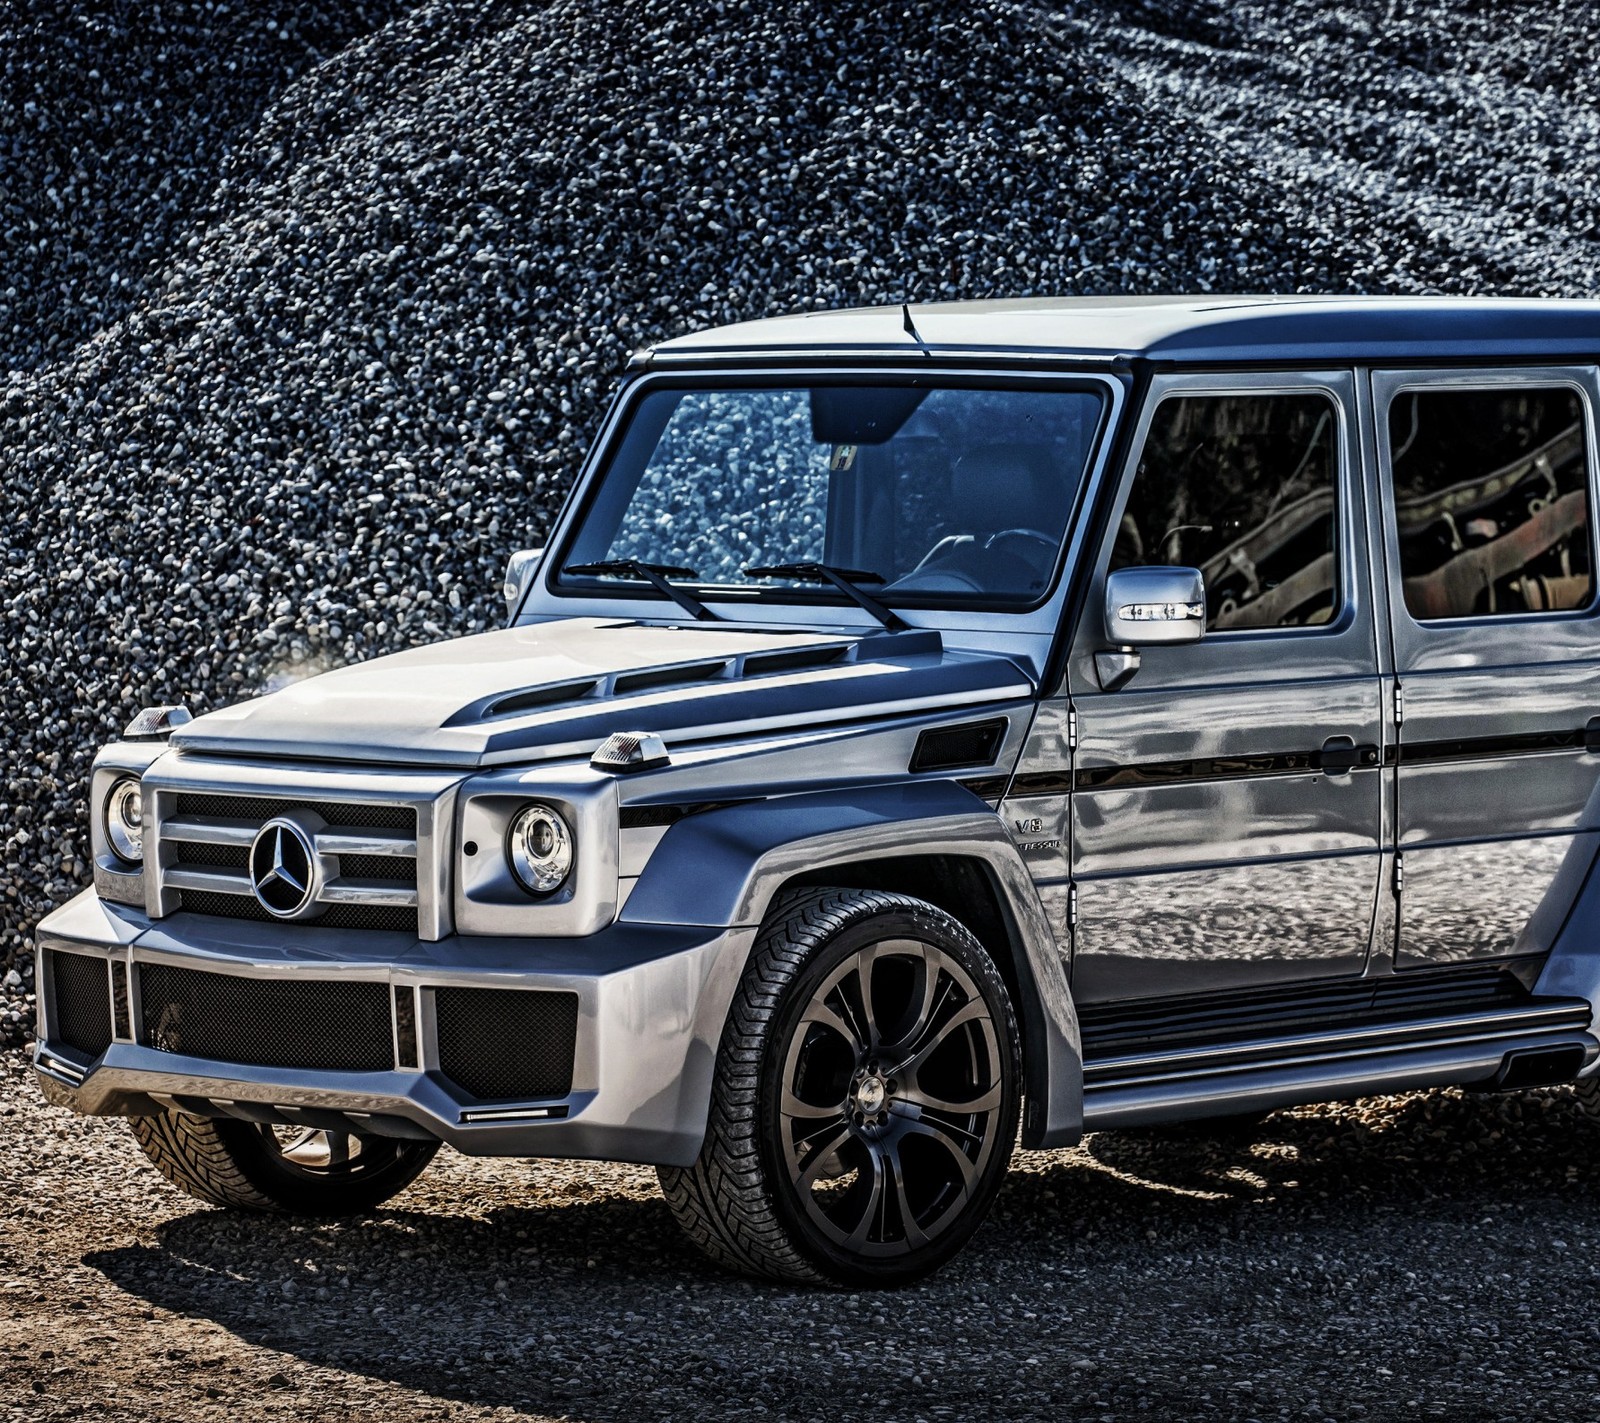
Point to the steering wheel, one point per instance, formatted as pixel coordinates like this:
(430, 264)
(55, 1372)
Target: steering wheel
(1019, 533)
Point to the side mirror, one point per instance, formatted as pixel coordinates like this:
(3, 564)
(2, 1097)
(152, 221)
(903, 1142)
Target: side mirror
(1148, 607)
(1151, 607)
(520, 568)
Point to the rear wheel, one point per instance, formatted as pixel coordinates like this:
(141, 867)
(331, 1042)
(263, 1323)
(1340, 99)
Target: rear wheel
(865, 1099)
(294, 1170)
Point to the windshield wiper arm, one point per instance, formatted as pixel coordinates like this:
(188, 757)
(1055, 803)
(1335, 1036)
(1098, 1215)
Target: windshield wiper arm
(656, 575)
(844, 579)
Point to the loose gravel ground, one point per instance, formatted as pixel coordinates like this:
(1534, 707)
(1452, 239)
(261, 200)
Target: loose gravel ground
(1427, 1256)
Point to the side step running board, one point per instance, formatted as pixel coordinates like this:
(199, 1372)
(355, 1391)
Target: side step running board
(1178, 1083)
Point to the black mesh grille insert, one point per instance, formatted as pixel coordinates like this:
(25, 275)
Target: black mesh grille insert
(317, 1024)
(387, 867)
(81, 994)
(507, 1045)
(227, 857)
(263, 808)
(224, 906)
(398, 918)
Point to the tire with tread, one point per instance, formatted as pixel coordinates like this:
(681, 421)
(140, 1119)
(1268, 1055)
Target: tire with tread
(726, 1202)
(230, 1163)
(1587, 1092)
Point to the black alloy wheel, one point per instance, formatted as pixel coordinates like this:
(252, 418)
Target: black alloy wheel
(866, 1096)
(889, 1099)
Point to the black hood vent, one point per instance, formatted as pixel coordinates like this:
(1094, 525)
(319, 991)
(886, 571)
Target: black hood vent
(527, 700)
(681, 676)
(770, 664)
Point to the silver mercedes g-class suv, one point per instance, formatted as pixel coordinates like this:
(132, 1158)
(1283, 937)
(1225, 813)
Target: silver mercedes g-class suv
(924, 726)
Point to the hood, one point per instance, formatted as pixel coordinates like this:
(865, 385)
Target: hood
(560, 688)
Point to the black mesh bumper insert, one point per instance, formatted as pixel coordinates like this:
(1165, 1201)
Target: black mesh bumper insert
(507, 1044)
(267, 1022)
(81, 1001)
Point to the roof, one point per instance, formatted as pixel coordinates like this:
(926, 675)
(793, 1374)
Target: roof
(1198, 329)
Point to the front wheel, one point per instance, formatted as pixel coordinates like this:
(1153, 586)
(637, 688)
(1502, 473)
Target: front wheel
(293, 1170)
(1587, 1092)
(865, 1099)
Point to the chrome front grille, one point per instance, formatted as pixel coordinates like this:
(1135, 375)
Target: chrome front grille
(379, 847)
(374, 847)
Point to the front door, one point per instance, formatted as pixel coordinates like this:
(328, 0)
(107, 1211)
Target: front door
(1487, 491)
(1226, 802)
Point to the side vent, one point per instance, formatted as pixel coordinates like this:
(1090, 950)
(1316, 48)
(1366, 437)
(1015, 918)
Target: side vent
(955, 748)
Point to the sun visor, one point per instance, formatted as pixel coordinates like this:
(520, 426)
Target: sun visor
(862, 415)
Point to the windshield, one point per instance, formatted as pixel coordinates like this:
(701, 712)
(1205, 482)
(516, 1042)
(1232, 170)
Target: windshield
(921, 493)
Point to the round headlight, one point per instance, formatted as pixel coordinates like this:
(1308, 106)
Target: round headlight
(125, 820)
(540, 849)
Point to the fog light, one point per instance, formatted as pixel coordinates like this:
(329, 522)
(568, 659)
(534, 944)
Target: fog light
(124, 820)
(539, 849)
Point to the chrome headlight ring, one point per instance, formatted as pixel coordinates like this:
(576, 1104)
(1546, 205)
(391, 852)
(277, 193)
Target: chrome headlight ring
(539, 849)
(123, 815)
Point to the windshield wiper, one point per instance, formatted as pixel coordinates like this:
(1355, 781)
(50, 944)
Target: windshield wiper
(844, 579)
(656, 575)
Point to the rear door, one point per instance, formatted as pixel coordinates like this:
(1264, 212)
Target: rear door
(1487, 492)
(1226, 803)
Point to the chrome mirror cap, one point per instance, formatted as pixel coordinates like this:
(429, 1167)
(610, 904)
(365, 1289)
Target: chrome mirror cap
(520, 568)
(1149, 607)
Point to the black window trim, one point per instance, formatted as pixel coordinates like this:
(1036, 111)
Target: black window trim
(1214, 385)
(1491, 378)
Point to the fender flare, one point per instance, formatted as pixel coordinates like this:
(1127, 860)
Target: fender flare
(721, 869)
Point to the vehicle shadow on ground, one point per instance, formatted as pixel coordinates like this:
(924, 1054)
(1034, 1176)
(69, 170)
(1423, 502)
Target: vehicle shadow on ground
(597, 1309)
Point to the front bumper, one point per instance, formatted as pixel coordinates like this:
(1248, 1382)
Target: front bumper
(651, 1002)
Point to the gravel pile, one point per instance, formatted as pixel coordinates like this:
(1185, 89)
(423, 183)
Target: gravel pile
(1428, 1257)
(307, 313)
(118, 119)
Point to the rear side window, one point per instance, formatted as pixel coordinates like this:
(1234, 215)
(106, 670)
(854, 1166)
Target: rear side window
(1491, 499)
(1242, 487)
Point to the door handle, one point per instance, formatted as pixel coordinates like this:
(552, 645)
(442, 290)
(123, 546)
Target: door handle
(1340, 755)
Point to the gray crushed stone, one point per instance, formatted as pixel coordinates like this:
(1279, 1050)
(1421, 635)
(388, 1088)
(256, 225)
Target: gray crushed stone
(1412, 1257)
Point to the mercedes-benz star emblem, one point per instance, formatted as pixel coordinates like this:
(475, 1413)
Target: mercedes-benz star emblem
(283, 868)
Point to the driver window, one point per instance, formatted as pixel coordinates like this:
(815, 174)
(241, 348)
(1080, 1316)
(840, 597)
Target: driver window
(1242, 487)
